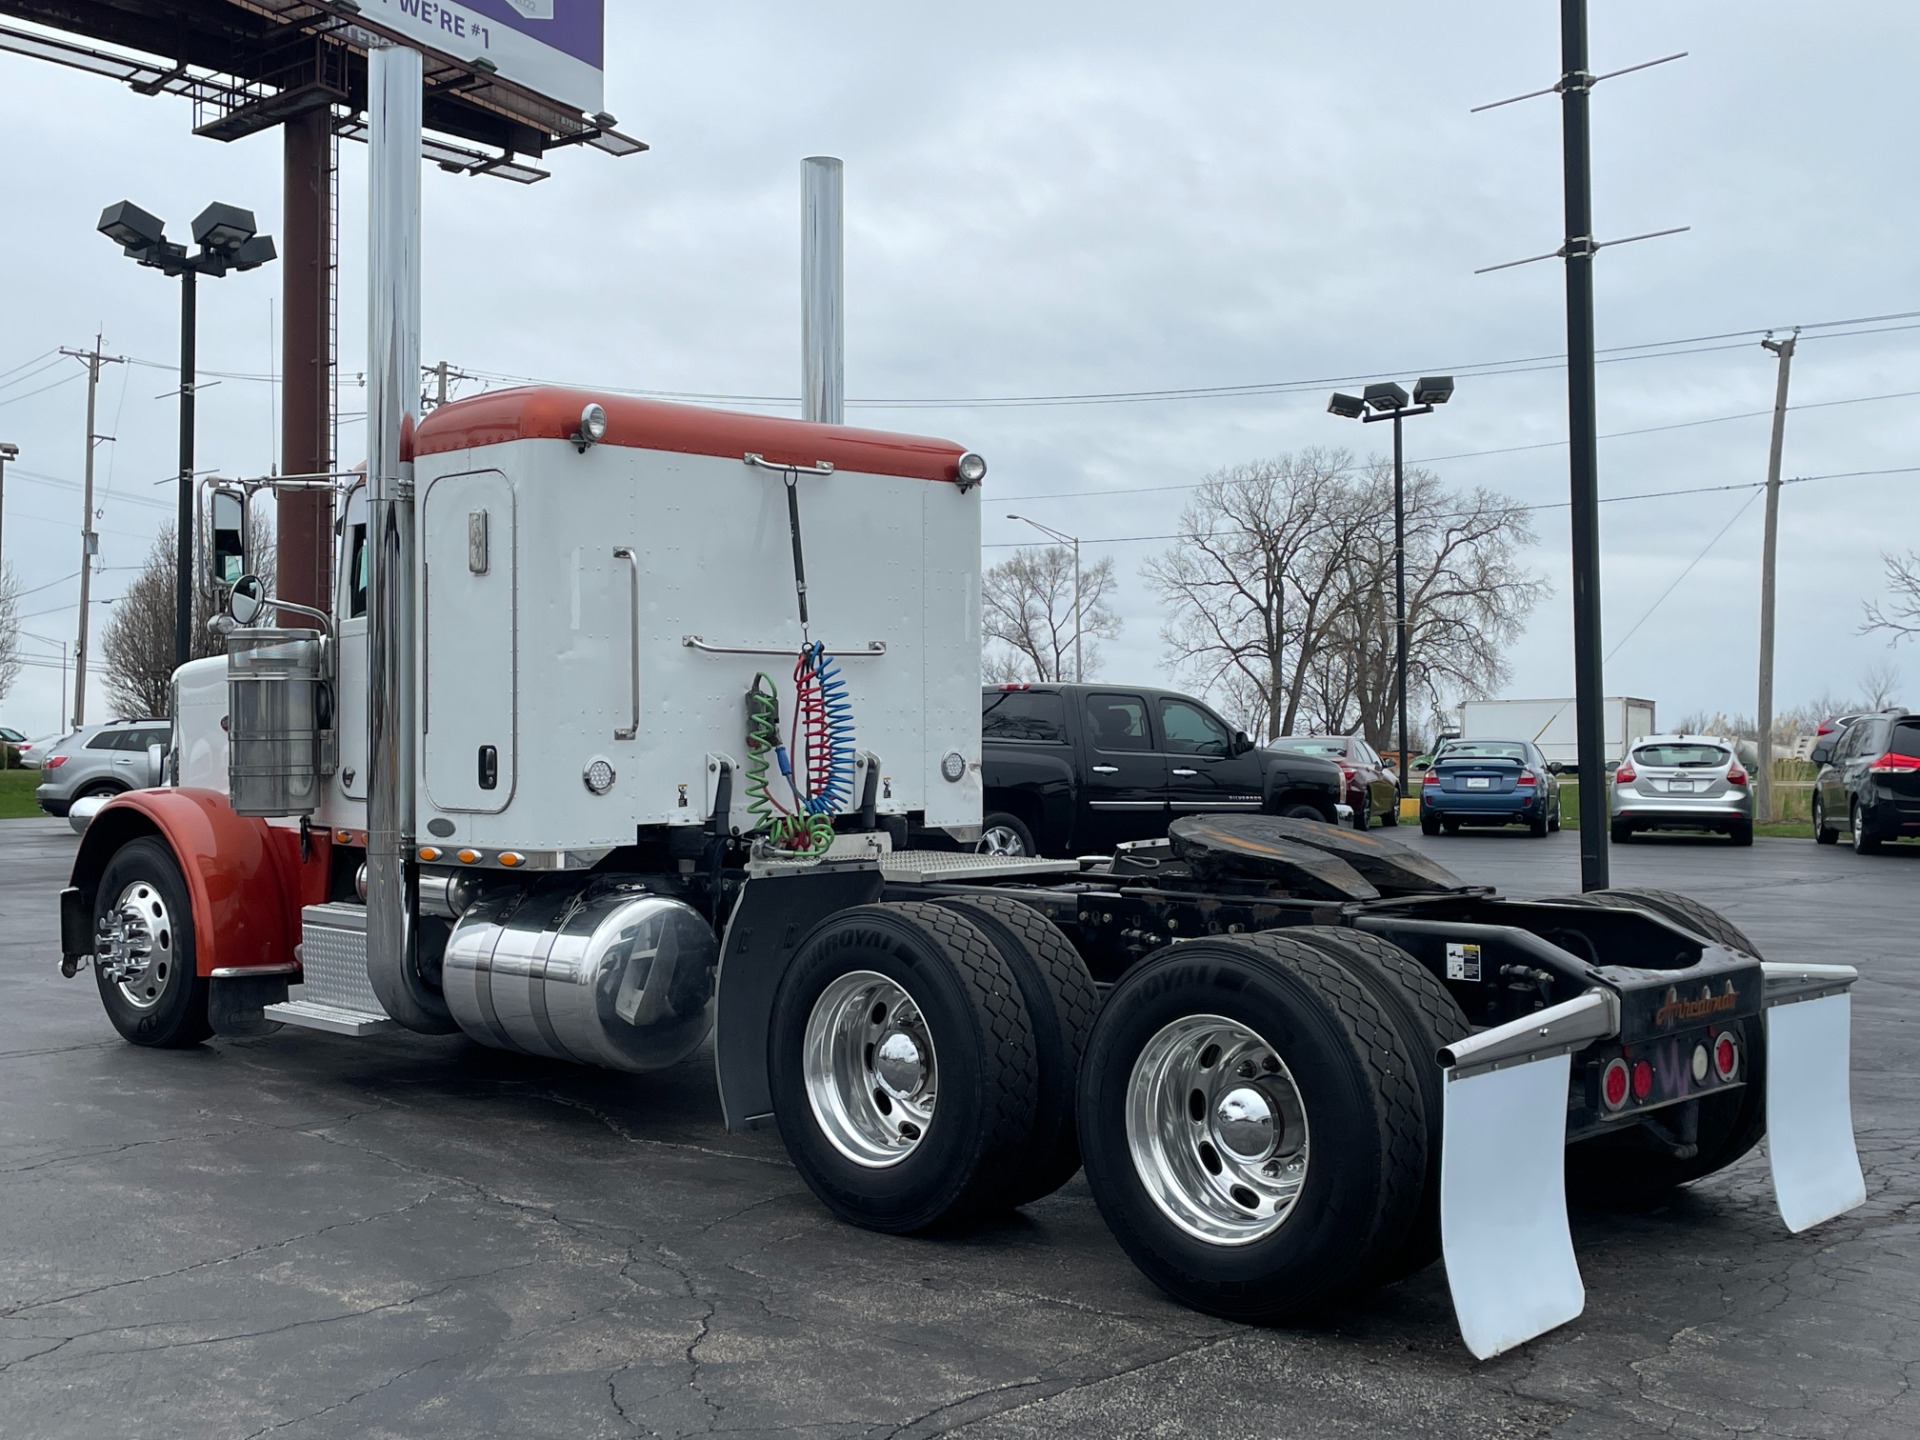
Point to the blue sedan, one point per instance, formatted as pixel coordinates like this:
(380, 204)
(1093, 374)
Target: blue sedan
(1489, 782)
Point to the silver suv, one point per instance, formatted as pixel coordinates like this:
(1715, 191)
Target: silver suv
(101, 760)
(1681, 782)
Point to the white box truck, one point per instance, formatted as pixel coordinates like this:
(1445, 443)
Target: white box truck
(1550, 725)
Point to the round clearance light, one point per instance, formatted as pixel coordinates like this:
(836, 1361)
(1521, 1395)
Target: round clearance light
(953, 766)
(972, 468)
(593, 427)
(1700, 1063)
(1642, 1079)
(598, 776)
(1726, 1057)
(1613, 1084)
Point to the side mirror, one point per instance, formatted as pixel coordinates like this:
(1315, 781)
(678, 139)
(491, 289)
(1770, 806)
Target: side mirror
(227, 555)
(1554, 767)
(1822, 753)
(247, 599)
(1242, 742)
(156, 765)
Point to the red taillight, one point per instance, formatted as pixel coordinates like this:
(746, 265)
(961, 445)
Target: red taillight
(1626, 774)
(1613, 1084)
(54, 762)
(1016, 687)
(1527, 777)
(1826, 728)
(1892, 764)
(1642, 1079)
(1736, 775)
(1726, 1057)
(1431, 779)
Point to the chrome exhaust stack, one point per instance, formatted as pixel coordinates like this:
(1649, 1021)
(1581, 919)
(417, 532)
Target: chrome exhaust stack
(394, 103)
(822, 287)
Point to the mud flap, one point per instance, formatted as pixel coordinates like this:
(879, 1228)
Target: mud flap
(1816, 1169)
(1503, 1204)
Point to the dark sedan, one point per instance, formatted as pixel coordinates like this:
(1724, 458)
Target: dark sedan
(1489, 782)
(1370, 787)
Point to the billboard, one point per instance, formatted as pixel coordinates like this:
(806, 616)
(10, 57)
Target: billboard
(555, 48)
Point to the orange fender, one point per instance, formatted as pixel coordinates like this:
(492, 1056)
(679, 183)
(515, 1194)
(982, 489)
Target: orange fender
(244, 877)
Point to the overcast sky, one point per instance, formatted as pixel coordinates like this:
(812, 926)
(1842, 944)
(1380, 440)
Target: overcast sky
(1073, 198)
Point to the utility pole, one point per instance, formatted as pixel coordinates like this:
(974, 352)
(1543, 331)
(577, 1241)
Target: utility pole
(1764, 780)
(442, 374)
(89, 540)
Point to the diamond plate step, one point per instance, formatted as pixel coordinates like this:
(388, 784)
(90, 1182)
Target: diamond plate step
(335, 994)
(312, 1015)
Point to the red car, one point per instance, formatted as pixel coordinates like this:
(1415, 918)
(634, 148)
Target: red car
(1372, 789)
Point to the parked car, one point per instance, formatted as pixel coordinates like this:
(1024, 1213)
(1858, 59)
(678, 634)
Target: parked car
(12, 742)
(102, 760)
(1681, 782)
(1371, 787)
(1489, 782)
(1079, 769)
(1870, 775)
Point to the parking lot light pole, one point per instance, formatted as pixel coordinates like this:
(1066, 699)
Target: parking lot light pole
(227, 240)
(8, 451)
(1388, 401)
(1074, 540)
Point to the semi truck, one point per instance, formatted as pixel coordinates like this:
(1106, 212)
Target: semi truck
(607, 745)
(1549, 724)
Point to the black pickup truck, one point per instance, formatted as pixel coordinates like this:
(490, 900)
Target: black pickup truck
(1078, 769)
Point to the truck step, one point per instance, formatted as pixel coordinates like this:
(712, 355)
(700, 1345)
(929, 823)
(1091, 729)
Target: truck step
(312, 1015)
(926, 867)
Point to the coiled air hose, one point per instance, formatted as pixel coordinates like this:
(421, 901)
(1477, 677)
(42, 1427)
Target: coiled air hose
(800, 832)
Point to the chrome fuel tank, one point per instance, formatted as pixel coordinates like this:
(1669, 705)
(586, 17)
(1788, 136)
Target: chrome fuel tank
(608, 974)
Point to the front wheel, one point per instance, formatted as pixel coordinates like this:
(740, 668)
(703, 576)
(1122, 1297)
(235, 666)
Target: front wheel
(1823, 833)
(1252, 1132)
(1004, 834)
(143, 949)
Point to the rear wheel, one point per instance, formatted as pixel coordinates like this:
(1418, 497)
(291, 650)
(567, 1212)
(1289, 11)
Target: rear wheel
(1621, 1169)
(1538, 827)
(1741, 832)
(1622, 832)
(1428, 1018)
(903, 1069)
(1300, 812)
(144, 959)
(1865, 842)
(1061, 1001)
(1452, 827)
(1252, 1132)
(1823, 833)
(1004, 834)
(1429, 825)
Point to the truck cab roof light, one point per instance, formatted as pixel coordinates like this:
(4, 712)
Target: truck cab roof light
(593, 427)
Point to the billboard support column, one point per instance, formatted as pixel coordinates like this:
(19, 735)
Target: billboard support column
(304, 518)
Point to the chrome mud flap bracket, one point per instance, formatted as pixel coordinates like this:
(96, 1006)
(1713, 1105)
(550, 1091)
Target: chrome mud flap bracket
(1810, 1147)
(1503, 1197)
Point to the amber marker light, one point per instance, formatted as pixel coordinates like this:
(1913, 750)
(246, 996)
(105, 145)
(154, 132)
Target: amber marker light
(467, 857)
(429, 852)
(511, 858)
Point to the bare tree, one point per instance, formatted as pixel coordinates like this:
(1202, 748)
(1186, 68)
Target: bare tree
(137, 644)
(1880, 684)
(1280, 598)
(1900, 613)
(9, 632)
(1026, 605)
(1250, 585)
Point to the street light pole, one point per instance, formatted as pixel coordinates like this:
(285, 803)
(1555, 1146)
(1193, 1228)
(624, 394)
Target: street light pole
(183, 580)
(8, 451)
(1061, 537)
(1388, 401)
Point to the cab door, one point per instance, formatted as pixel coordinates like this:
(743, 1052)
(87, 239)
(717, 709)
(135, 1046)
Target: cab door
(469, 701)
(1125, 784)
(1204, 774)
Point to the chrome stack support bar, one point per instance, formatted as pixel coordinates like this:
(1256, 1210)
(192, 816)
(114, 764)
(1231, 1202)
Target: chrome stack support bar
(394, 103)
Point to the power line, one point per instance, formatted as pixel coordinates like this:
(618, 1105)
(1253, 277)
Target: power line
(16, 399)
(1621, 642)
(1523, 509)
(25, 363)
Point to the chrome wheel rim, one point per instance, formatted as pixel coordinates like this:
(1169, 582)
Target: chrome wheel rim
(1001, 840)
(1859, 826)
(1217, 1130)
(134, 945)
(1817, 816)
(871, 1072)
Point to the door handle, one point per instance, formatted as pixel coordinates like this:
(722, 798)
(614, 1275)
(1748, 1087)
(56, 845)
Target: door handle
(1186, 772)
(622, 552)
(1106, 769)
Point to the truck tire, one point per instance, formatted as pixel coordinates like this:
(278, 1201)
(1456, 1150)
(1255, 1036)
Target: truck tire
(1428, 1018)
(1619, 1170)
(1061, 1001)
(1251, 1127)
(902, 1065)
(144, 962)
(1004, 834)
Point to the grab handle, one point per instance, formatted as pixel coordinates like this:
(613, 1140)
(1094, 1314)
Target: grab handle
(623, 552)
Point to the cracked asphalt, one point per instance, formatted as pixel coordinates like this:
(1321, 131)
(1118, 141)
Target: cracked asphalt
(305, 1235)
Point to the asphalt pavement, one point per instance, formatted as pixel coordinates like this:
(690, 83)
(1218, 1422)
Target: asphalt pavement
(304, 1235)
